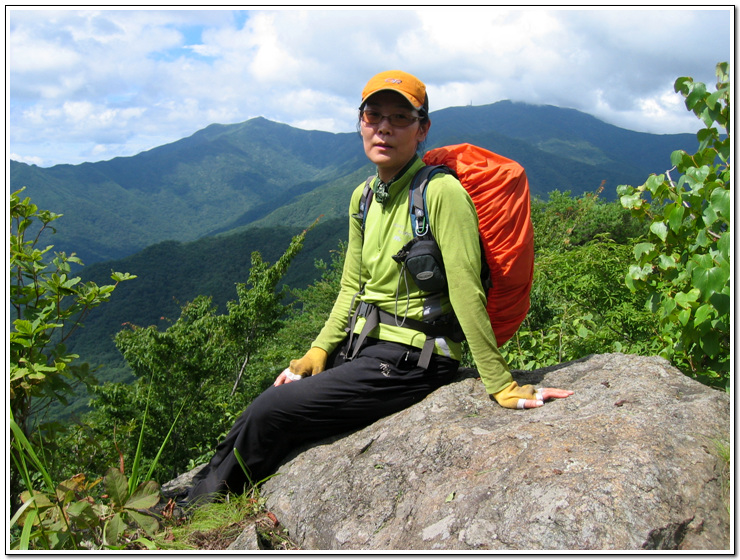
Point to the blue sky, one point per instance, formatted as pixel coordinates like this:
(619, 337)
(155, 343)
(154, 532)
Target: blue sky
(93, 84)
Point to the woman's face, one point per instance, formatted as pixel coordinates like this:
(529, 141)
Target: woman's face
(389, 147)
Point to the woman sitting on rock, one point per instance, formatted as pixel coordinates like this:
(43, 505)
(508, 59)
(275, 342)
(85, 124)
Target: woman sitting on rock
(350, 378)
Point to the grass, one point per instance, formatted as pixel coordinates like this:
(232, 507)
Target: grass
(215, 526)
(723, 451)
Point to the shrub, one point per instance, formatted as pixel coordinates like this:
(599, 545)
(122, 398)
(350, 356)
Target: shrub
(47, 305)
(682, 266)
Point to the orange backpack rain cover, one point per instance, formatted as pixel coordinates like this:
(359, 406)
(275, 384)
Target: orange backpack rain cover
(500, 192)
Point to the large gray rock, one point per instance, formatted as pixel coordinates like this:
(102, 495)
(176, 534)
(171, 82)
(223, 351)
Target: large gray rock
(178, 487)
(628, 462)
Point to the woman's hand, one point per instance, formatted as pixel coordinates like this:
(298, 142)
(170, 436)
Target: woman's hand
(286, 376)
(526, 396)
(313, 362)
(545, 394)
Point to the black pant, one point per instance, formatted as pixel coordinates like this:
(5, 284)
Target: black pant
(384, 378)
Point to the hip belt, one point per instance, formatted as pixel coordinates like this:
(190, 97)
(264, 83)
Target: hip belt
(446, 326)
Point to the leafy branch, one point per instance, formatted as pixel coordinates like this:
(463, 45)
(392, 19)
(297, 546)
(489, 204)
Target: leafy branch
(683, 264)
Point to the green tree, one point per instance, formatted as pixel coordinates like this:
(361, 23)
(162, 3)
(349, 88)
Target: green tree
(563, 222)
(682, 265)
(47, 305)
(307, 316)
(578, 308)
(198, 362)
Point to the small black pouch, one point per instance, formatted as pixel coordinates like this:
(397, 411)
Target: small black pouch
(423, 260)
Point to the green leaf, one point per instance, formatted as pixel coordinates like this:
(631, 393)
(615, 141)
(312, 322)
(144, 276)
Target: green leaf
(721, 302)
(17, 515)
(659, 229)
(696, 95)
(147, 543)
(148, 523)
(665, 262)
(697, 177)
(58, 537)
(707, 116)
(702, 260)
(23, 446)
(82, 514)
(122, 276)
(624, 190)
(709, 279)
(631, 201)
(682, 84)
(713, 98)
(655, 184)
(24, 327)
(642, 249)
(629, 282)
(705, 136)
(117, 486)
(709, 215)
(703, 239)
(710, 343)
(684, 316)
(144, 497)
(720, 201)
(677, 157)
(724, 244)
(114, 528)
(674, 216)
(702, 313)
(23, 341)
(27, 528)
(667, 306)
(640, 273)
(685, 300)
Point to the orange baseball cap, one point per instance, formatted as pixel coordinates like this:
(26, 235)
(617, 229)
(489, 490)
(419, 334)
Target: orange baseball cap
(407, 85)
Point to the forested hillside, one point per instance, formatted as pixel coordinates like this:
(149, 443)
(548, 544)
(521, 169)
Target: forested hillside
(258, 171)
(170, 274)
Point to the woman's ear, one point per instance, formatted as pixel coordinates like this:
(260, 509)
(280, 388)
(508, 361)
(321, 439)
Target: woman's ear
(424, 129)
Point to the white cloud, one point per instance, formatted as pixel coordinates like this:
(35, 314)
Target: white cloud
(204, 50)
(89, 83)
(30, 160)
(35, 55)
(271, 61)
(77, 110)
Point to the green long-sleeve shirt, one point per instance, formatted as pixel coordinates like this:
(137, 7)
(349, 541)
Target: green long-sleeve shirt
(454, 224)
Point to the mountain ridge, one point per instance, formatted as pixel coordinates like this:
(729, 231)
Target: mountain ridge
(227, 176)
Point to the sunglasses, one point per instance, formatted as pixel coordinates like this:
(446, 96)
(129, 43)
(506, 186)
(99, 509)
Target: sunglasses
(397, 120)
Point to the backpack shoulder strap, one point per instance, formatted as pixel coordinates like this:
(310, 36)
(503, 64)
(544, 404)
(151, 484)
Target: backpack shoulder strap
(365, 200)
(419, 214)
(417, 197)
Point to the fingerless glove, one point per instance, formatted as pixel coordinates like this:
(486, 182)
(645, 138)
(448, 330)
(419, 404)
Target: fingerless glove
(313, 362)
(513, 396)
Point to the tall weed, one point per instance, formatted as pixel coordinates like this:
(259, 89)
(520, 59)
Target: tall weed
(69, 516)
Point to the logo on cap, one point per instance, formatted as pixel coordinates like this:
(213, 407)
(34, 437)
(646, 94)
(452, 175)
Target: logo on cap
(393, 81)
